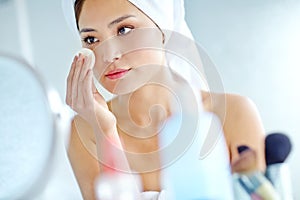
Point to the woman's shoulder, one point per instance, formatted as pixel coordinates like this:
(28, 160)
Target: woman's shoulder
(236, 112)
(226, 103)
(241, 121)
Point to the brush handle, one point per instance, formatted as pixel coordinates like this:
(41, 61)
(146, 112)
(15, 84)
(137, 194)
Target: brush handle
(257, 183)
(280, 177)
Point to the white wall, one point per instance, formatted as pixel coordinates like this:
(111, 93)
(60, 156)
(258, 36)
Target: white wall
(255, 45)
(256, 48)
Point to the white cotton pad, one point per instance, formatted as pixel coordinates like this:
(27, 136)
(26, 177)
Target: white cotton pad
(90, 55)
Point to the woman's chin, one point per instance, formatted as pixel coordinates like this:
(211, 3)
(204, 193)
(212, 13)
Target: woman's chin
(124, 88)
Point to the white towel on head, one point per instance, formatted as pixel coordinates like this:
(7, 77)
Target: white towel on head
(167, 14)
(69, 13)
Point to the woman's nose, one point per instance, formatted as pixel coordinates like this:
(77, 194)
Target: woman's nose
(111, 51)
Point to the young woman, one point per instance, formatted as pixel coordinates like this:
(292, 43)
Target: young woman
(131, 119)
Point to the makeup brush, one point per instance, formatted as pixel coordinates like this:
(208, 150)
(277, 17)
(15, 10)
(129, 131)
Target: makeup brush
(253, 181)
(278, 148)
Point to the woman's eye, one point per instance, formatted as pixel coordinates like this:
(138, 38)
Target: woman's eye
(124, 30)
(90, 40)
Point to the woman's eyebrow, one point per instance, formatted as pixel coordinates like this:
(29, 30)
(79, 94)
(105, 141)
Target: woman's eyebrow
(120, 19)
(85, 30)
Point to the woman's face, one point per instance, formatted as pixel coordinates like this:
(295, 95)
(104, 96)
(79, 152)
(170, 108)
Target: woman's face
(127, 44)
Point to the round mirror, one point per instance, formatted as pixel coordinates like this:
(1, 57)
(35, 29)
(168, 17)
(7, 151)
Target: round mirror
(28, 128)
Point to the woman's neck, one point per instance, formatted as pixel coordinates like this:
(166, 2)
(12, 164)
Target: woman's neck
(153, 100)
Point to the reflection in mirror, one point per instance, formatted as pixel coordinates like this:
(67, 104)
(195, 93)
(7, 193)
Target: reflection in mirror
(28, 128)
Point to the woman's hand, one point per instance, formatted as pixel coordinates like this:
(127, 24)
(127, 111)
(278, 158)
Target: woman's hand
(83, 97)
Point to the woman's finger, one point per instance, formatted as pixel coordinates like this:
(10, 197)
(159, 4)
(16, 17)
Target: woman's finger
(96, 95)
(81, 88)
(88, 88)
(94, 89)
(86, 66)
(69, 82)
(75, 79)
(93, 93)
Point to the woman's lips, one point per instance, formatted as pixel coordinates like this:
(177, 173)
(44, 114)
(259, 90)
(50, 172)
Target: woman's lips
(117, 73)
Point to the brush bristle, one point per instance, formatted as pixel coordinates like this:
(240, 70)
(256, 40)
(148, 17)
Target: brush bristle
(278, 147)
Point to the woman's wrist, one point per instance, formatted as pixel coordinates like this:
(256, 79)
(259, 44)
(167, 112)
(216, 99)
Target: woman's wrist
(110, 150)
(108, 130)
(104, 122)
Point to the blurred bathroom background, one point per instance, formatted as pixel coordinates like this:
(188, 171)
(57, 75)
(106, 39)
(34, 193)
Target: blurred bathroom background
(255, 46)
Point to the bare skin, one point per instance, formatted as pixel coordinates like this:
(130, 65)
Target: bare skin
(242, 126)
(241, 121)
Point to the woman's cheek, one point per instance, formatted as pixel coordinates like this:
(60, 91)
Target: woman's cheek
(148, 57)
(99, 68)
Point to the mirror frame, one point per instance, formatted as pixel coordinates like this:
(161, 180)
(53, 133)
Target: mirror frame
(55, 108)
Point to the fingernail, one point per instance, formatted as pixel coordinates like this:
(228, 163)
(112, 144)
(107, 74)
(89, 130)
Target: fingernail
(242, 148)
